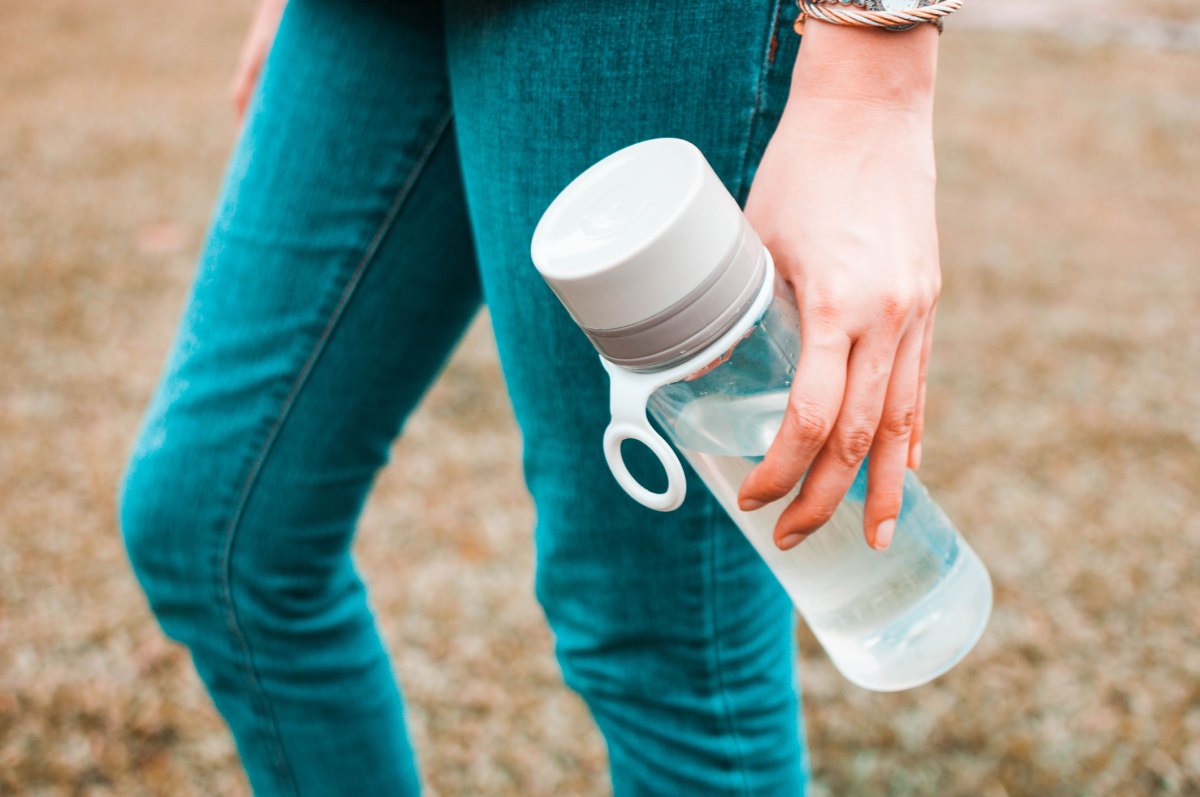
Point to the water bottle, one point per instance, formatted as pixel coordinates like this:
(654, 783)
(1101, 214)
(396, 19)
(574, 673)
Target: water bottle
(655, 261)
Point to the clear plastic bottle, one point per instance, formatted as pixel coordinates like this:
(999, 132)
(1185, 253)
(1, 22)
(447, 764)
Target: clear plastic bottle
(889, 620)
(657, 264)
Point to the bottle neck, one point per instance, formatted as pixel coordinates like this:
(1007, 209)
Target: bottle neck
(688, 363)
(692, 324)
(630, 391)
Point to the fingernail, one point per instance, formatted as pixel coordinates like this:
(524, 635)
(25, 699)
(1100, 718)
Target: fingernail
(791, 541)
(883, 534)
(750, 504)
(916, 457)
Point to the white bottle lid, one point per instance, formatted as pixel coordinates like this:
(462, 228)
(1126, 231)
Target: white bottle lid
(649, 253)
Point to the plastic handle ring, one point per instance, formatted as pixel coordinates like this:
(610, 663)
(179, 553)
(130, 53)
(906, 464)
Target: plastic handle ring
(620, 431)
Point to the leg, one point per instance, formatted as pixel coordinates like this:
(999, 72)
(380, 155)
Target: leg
(670, 626)
(339, 273)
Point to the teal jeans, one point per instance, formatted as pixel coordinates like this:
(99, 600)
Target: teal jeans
(394, 163)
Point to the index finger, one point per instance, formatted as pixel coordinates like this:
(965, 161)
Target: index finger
(813, 405)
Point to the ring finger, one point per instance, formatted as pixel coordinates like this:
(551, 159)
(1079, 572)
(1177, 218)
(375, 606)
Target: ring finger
(837, 463)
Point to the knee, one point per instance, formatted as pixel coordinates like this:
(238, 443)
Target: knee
(615, 636)
(160, 523)
(197, 548)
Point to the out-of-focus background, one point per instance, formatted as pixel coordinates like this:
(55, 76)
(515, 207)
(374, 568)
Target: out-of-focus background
(1064, 431)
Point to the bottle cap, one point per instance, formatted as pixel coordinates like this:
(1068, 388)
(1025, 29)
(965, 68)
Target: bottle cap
(650, 254)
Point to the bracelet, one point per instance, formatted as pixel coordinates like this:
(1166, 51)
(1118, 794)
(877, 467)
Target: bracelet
(873, 14)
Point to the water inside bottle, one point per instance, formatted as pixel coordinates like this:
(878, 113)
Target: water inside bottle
(935, 596)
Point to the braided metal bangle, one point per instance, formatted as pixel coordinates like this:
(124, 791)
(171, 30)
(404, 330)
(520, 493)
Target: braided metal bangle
(873, 14)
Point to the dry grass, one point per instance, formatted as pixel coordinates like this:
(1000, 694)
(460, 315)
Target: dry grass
(1064, 437)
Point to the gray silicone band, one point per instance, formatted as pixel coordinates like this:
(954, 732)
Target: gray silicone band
(696, 320)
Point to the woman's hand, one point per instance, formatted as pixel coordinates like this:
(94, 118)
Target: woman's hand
(254, 53)
(844, 200)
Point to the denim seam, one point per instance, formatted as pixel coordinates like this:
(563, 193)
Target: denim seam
(714, 511)
(261, 703)
(756, 110)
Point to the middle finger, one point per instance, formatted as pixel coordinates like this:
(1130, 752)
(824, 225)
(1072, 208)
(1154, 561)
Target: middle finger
(832, 472)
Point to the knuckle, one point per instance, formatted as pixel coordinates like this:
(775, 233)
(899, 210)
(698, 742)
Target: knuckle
(925, 303)
(821, 514)
(775, 484)
(927, 295)
(853, 444)
(894, 307)
(878, 368)
(899, 424)
(895, 303)
(824, 308)
(830, 301)
(809, 422)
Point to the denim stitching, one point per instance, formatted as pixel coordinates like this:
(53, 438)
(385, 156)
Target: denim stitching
(755, 115)
(756, 109)
(261, 703)
(714, 511)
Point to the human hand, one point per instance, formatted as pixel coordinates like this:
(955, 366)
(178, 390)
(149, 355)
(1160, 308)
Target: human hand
(844, 200)
(254, 53)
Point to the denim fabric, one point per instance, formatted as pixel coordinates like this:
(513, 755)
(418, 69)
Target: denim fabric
(393, 165)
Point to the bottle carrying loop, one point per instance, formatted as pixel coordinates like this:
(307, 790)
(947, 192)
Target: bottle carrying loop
(627, 402)
(630, 391)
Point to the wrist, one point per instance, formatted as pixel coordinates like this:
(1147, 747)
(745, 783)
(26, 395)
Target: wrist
(877, 69)
(845, 130)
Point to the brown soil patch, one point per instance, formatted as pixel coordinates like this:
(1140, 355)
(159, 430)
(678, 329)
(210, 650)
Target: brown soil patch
(1063, 438)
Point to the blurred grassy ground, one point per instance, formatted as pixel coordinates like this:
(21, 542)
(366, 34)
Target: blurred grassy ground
(1064, 437)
